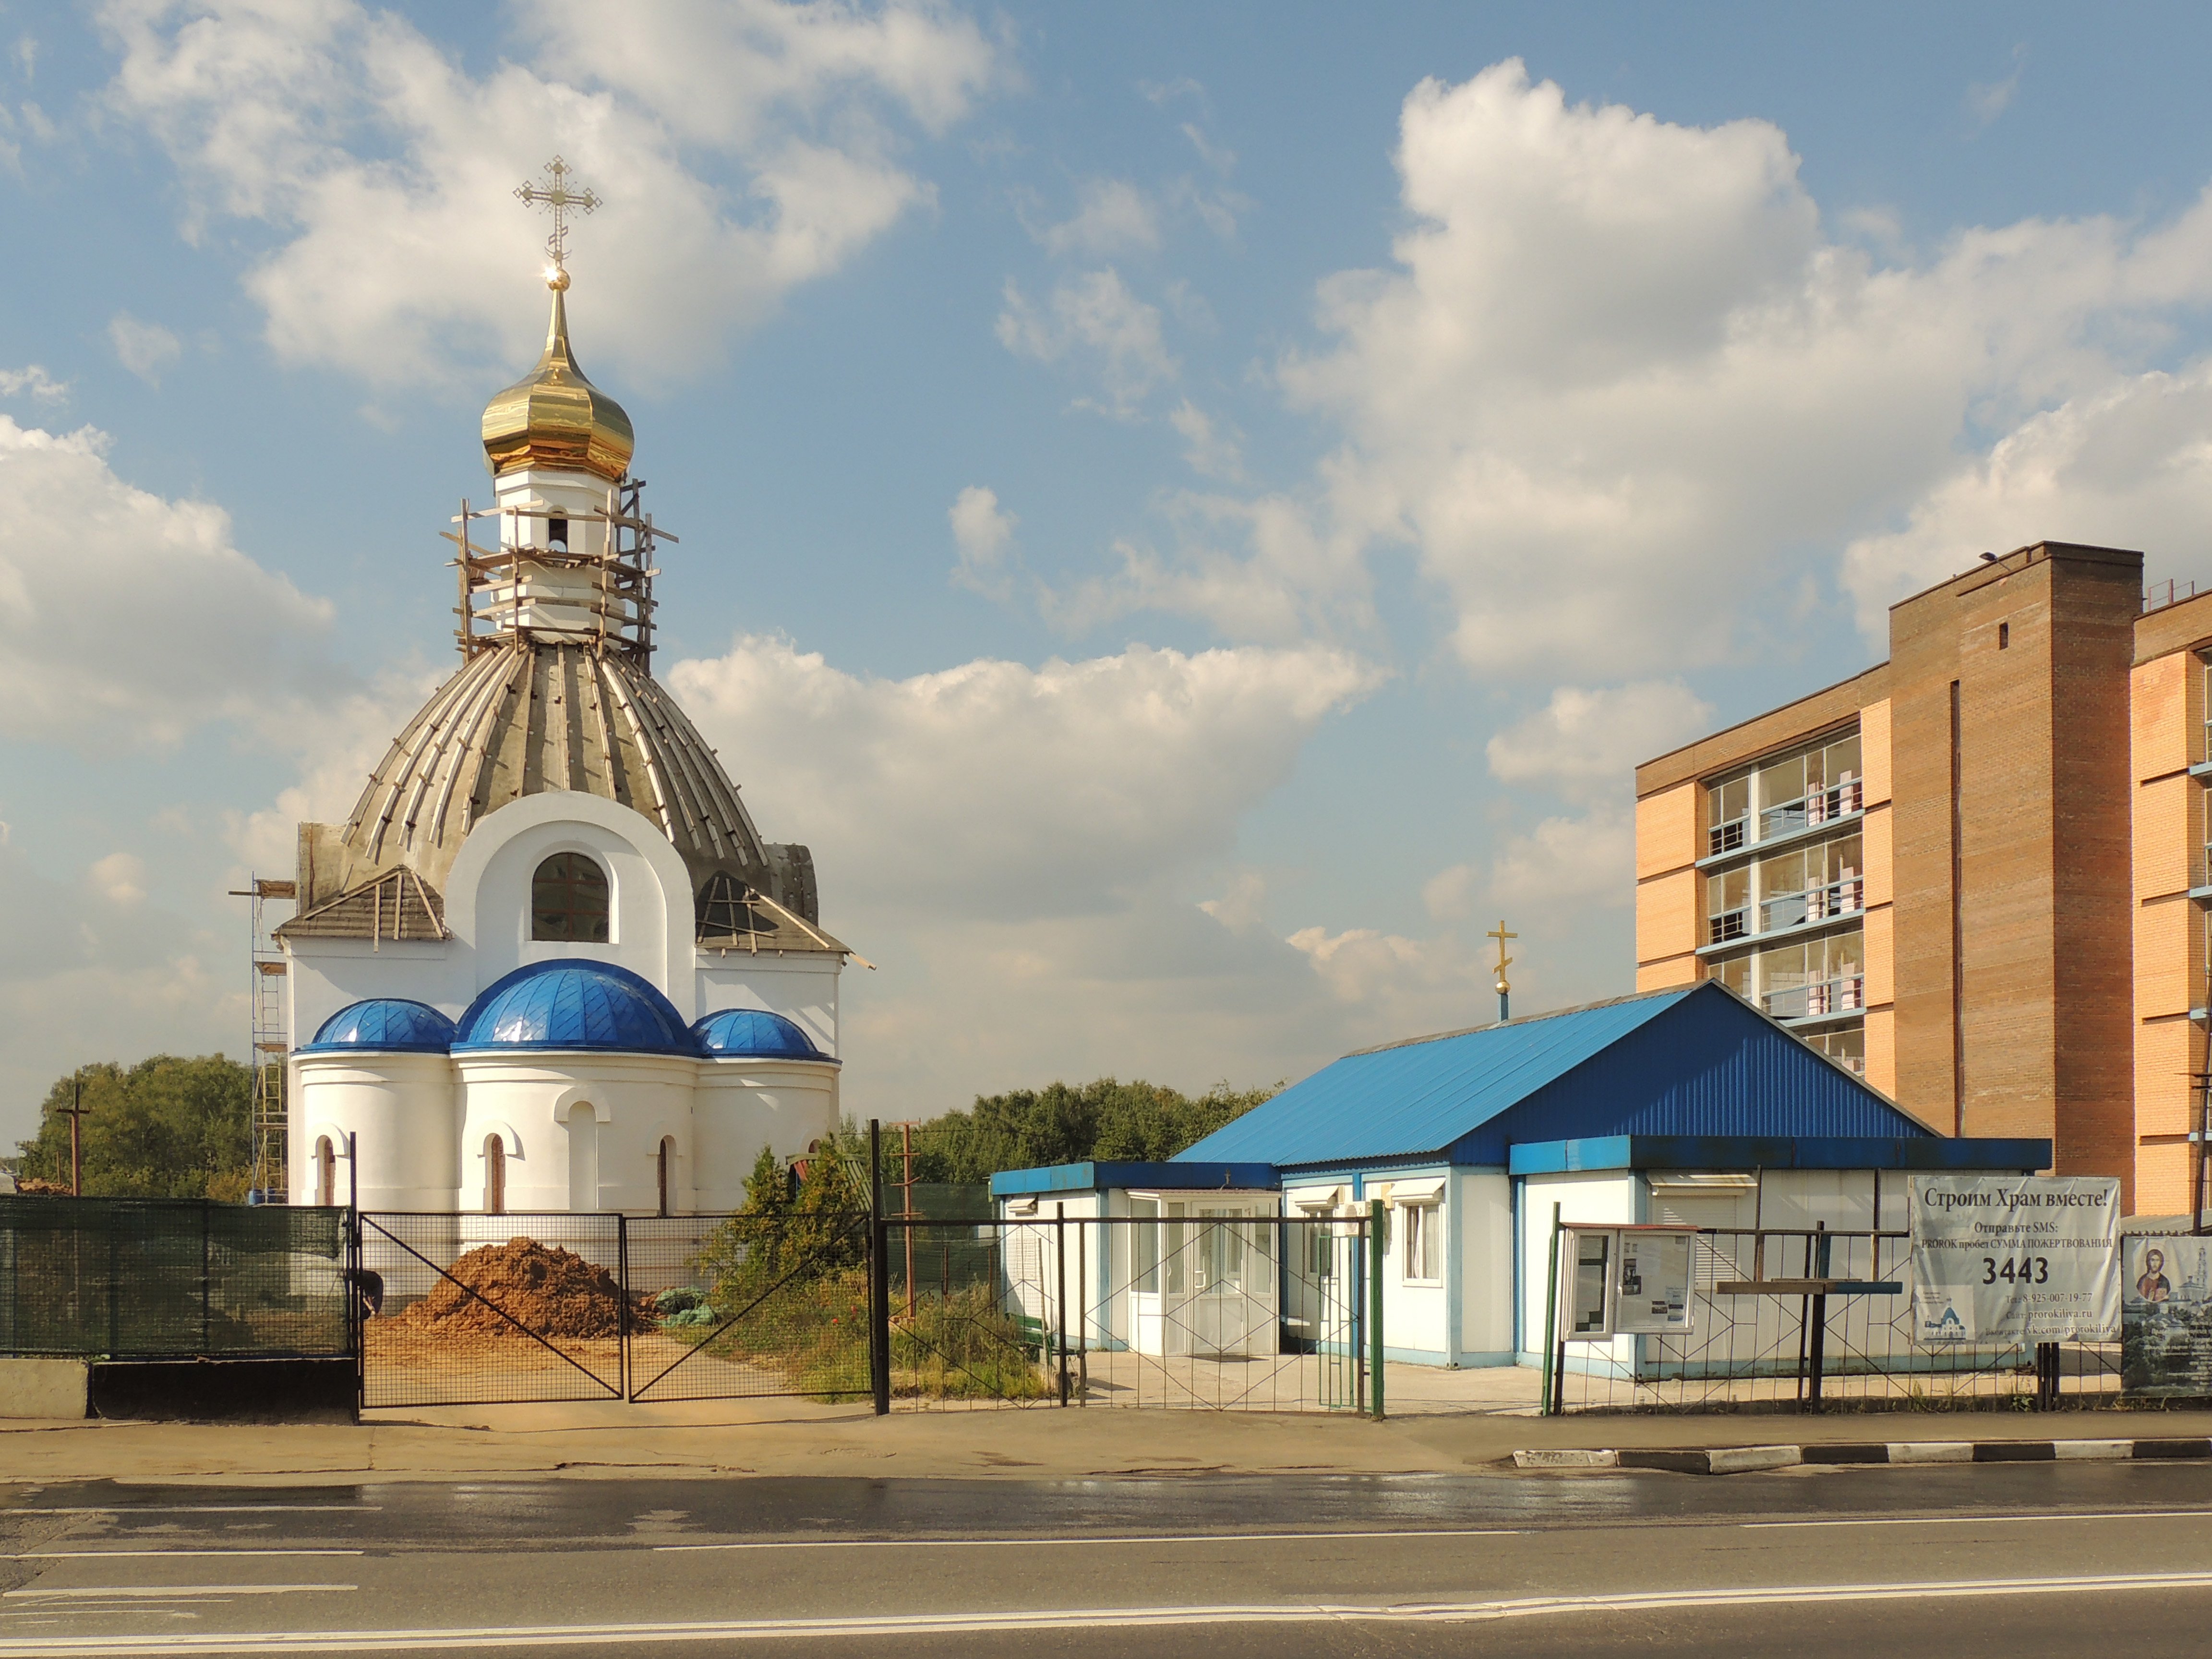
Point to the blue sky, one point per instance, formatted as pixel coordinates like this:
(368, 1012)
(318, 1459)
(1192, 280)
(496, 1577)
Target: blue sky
(1192, 512)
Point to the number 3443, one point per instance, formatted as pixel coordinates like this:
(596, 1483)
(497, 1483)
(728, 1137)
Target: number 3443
(2021, 1270)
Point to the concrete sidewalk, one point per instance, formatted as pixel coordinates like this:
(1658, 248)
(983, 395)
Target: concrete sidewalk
(784, 1437)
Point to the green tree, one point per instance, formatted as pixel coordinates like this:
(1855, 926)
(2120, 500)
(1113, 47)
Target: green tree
(1062, 1123)
(170, 1126)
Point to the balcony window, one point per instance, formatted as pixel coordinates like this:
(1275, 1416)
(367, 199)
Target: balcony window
(1815, 979)
(1847, 1047)
(1729, 816)
(1728, 906)
(1811, 884)
(1796, 791)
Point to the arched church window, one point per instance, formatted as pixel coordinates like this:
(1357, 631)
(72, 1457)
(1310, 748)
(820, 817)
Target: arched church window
(556, 534)
(569, 900)
(326, 1172)
(667, 1156)
(725, 910)
(494, 1176)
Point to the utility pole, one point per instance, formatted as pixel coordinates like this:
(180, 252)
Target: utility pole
(75, 1112)
(1504, 986)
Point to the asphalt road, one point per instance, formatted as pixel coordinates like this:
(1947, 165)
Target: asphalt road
(1960, 1560)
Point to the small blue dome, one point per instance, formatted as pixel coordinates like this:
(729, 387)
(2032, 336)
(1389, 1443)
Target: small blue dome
(574, 1003)
(754, 1034)
(394, 1025)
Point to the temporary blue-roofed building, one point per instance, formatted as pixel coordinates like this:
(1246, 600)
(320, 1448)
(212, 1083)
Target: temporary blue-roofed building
(1685, 1106)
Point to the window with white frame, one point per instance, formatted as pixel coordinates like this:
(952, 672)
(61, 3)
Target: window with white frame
(1424, 1236)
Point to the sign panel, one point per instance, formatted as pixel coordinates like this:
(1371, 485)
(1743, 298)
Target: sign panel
(1651, 1297)
(2166, 1314)
(2015, 1259)
(1626, 1281)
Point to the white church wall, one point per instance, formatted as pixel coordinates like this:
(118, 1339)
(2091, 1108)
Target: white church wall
(739, 1106)
(1484, 1269)
(326, 975)
(1416, 1311)
(802, 989)
(634, 1100)
(650, 920)
(400, 1107)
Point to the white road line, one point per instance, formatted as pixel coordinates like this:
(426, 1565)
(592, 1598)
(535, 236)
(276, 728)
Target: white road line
(466, 1638)
(104, 1592)
(1035, 1543)
(202, 1509)
(162, 1555)
(1980, 1520)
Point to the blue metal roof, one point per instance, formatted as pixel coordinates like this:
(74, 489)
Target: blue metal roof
(1766, 1152)
(1693, 1060)
(574, 1002)
(1182, 1175)
(754, 1034)
(389, 1024)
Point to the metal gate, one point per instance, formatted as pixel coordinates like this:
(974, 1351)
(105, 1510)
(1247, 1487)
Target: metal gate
(484, 1309)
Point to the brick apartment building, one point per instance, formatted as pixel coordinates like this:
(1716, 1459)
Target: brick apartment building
(1977, 874)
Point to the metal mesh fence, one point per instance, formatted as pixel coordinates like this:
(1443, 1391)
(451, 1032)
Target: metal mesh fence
(1212, 1312)
(477, 1308)
(1749, 1348)
(735, 1306)
(156, 1277)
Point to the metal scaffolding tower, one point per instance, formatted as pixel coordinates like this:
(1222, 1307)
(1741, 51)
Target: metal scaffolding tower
(271, 1040)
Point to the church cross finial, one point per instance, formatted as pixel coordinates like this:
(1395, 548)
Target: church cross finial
(1505, 987)
(560, 200)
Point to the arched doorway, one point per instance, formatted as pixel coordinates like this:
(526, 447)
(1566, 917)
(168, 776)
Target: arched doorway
(326, 1172)
(494, 1153)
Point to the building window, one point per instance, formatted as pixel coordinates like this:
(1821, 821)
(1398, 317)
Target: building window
(1145, 1247)
(1728, 906)
(556, 534)
(1730, 814)
(1811, 884)
(1847, 1047)
(667, 1158)
(569, 900)
(495, 1154)
(2004, 636)
(1424, 1244)
(1813, 979)
(326, 1172)
(1783, 796)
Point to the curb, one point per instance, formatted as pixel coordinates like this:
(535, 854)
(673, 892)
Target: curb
(1744, 1459)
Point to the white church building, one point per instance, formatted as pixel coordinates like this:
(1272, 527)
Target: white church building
(548, 963)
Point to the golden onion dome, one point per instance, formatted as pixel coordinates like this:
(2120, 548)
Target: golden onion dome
(553, 417)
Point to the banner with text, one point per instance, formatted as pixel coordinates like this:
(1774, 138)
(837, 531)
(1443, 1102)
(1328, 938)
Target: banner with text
(2015, 1259)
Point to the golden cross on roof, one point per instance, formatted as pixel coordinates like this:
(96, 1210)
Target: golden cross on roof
(560, 199)
(1499, 933)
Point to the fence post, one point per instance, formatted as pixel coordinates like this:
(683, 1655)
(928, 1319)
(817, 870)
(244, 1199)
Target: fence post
(1819, 1310)
(1083, 1314)
(1060, 1290)
(621, 1295)
(879, 1288)
(207, 1247)
(1375, 1298)
(1551, 1312)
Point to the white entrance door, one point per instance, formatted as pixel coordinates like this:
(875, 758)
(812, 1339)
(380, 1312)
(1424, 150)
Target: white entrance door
(1145, 1313)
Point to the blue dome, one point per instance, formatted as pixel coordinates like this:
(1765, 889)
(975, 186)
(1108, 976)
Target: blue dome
(574, 1003)
(754, 1034)
(392, 1024)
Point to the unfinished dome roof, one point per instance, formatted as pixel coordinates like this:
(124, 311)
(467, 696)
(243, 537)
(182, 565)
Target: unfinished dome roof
(526, 717)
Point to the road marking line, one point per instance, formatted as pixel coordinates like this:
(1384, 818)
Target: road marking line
(164, 1555)
(1030, 1543)
(203, 1508)
(514, 1636)
(1979, 1520)
(104, 1591)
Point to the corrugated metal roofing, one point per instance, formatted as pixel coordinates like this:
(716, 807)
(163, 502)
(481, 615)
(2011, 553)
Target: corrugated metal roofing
(1693, 1060)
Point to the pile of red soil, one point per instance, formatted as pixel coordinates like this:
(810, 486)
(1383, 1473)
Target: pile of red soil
(546, 1290)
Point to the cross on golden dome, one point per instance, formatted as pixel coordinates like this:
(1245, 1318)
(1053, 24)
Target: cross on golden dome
(557, 198)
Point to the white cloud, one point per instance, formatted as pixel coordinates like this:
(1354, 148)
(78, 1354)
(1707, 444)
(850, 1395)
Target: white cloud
(1586, 744)
(1243, 908)
(1214, 450)
(2128, 466)
(995, 788)
(1112, 217)
(1986, 101)
(32, 379)
(1621, 395)
(984, 533)
(144, 348)
(120, 878)
(1449, 894)
(1095, 318)
(741, 149)
(153, 623)
(1437, 977)
(1568, 861)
